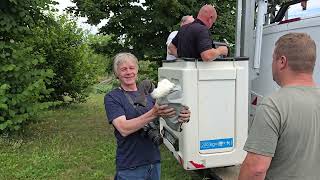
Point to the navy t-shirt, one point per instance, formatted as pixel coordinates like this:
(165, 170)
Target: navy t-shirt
(135, 149)
(192, 39)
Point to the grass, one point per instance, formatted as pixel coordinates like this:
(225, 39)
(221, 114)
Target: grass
(69, 143)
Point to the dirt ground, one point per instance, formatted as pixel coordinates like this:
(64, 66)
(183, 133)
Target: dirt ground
(228, 173)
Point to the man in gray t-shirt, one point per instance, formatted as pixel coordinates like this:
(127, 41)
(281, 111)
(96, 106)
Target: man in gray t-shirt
(284, 137)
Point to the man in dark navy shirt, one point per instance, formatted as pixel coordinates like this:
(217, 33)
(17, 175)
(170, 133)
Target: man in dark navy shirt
(129, 110)
(193, 40)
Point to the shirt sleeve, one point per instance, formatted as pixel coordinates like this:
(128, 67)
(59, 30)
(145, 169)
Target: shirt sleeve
(175, 40)
(204, 41)
(171, 36)
(113, 107)
(264, 131)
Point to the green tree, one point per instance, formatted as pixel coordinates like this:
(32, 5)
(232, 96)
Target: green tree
(42, 59)
(101, 45)
(22, 81)
(144, 29)
(68, 54)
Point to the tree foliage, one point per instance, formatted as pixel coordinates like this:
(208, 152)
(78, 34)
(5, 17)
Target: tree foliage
(22, 81)
(101, 45)
(42, 59)
(144, 29)
(75, 64)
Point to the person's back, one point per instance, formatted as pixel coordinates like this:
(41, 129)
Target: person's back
(193, 39)
(297, 112)
(184, 21)
(283, 140)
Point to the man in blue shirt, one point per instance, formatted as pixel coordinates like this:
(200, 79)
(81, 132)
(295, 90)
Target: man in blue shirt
(137, 157)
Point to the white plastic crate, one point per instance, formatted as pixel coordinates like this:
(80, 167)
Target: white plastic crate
(217, 94)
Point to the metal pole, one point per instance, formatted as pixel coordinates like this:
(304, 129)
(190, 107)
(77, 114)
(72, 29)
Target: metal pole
(262, 10)
(239, 28)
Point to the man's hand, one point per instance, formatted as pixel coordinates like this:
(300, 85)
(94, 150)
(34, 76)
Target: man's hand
(212, 54)
(223, 50)
(164, 111)
(184, 115)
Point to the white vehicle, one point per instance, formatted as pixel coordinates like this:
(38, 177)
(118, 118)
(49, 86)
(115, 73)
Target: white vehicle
(308, 21)
(222, 95)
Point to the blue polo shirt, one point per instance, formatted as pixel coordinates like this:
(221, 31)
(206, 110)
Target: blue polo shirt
(135, 149)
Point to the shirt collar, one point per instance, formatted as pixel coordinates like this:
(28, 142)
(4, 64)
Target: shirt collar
(198, 21)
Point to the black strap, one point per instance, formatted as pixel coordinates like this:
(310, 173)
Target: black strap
(128, 97)
(141, 100)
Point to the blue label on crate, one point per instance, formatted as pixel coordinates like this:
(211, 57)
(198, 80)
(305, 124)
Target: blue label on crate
(216, 144)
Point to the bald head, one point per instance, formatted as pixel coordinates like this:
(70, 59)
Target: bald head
(208, 15)
(186, 20)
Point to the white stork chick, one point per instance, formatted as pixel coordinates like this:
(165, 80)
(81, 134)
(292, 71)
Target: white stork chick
(163, 89)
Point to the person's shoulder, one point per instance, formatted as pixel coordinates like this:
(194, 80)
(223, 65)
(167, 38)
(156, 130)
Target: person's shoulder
(189, 26)
(171, 36)
(196, 27)
(199, 24)
(288, 92)
(173, 33)
(283, 94)
(113, 93)
(272, 99)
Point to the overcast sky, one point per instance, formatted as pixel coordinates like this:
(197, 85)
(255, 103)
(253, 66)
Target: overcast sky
(81, 20)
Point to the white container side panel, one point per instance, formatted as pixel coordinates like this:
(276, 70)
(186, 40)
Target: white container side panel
(264, 85)
(186, 73)
(212, 91)
(216, 115)
(242, 109)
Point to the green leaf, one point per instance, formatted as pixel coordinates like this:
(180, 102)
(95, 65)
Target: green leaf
(2, 22)
(34, 61)
(13, 102)
(12, 113)
(4, 86)
(22, 13)
(3, 106)
(13, 1)
(16, 127)
(8, 67)
(3, 126)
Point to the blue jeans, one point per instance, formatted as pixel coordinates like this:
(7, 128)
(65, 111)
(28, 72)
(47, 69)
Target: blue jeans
(145, 172)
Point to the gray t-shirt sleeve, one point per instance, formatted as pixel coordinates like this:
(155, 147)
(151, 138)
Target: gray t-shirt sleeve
(264, 131)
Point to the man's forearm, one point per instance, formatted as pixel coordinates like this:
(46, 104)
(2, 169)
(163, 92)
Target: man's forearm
(210, 54)
(127, 127)
(247, 173)
(254, 167)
